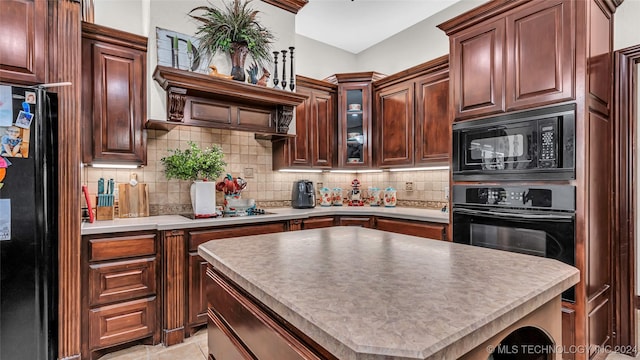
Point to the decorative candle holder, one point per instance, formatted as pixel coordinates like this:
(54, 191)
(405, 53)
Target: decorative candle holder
(275, 68)
(291, 84)
(284, 70)
(174, 53)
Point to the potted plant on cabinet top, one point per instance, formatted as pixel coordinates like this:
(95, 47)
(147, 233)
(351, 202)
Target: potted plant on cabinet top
(199, 166)
(233, 30)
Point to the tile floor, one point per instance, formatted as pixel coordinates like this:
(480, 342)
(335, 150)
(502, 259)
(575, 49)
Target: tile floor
(193, 348)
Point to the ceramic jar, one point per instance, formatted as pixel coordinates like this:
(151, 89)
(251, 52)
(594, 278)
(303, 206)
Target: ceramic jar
(337, 197)
(326, 196)
(390, 198)
(374, 196)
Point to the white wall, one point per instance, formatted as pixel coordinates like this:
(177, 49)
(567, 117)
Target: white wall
(125, 15)
(626, 25)
(418, 44)
(318, 60)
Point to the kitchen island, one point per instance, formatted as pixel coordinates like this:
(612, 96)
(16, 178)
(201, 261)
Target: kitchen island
(356, 293)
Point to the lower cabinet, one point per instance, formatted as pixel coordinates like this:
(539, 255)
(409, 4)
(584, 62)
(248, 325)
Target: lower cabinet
(415, 228)
(240, 327)
(196, 301)
(120, 299)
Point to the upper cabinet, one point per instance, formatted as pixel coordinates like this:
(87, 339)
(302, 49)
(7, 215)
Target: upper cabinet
(114, 93)
(354, 118)
(23, 44)
(412, 124)
(314, 144)
(515, 60)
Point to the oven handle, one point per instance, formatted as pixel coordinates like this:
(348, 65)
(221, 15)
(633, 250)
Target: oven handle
(507, 215)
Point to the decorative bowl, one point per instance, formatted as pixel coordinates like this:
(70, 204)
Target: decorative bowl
(354, 107)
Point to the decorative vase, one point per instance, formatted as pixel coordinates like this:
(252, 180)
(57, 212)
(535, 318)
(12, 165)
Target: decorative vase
(239, 51)
(203, 198)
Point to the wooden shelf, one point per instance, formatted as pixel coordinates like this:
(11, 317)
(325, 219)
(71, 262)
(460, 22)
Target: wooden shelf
(195, 99)
(210, 87)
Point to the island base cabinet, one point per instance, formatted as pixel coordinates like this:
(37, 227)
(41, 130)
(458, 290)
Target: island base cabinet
(537, 336)
(240, 327)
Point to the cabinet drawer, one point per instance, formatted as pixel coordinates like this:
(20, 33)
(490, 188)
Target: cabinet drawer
(262, 336)
(431, 231)
(114, 324)
(355, 221)
(122, 247)
(122, 280)
(199, 237)
(317, 223)
(222, 343)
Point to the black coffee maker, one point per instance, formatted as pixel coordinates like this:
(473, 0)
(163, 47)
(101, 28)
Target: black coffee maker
(303, 195)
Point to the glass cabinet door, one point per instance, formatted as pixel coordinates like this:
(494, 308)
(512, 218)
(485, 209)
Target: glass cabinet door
(354, 126)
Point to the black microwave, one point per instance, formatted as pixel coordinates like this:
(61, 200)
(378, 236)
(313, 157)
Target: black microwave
(531, 145)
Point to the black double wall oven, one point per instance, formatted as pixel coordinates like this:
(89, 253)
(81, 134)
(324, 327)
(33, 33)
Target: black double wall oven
(511, 189)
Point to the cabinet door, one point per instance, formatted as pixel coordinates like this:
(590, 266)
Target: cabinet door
(299, 147)
(354, 125)
(394, 125)
(322, 129)
(114, 85)
(539, 54)
(477, 68)
(433, 122)
(23, 44)
(197, 301)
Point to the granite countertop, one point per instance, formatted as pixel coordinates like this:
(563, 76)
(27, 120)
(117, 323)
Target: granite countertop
(369, 294)
(171, 222)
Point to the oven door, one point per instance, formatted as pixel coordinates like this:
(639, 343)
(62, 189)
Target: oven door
(539, 233)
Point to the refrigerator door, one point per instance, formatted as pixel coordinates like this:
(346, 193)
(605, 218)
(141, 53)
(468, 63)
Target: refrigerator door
(28, 282)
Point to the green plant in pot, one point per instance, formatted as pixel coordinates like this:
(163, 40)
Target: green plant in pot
(234, 30)
(198, 165)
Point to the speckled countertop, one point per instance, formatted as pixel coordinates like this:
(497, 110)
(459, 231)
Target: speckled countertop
(367, 294)
(170, 222)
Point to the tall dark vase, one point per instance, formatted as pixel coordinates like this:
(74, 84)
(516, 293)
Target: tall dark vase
(239, 51)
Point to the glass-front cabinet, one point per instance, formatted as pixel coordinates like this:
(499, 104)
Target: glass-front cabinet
(354, 118)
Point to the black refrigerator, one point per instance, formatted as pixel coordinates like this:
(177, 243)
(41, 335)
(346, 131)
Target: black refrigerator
(28, 223)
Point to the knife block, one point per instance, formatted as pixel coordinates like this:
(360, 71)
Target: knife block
(104, 213)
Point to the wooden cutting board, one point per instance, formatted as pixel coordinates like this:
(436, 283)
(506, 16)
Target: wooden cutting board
(133, 201)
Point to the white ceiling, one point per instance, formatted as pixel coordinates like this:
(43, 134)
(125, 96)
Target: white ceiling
(359, 24)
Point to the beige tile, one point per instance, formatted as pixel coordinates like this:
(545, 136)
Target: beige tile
(137, 352)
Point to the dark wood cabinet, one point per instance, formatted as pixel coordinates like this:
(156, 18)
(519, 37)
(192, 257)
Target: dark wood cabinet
(412, 122)
(519, 59)
(477, 70)
(315, 141)
(196, 301)
(23, 44)
(415, 228)
(114, 89)
(354, 130)
(539, 43)
(395, 120)
(433, 119)
(120, 293)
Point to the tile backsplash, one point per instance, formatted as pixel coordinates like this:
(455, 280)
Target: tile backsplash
(245, 155)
